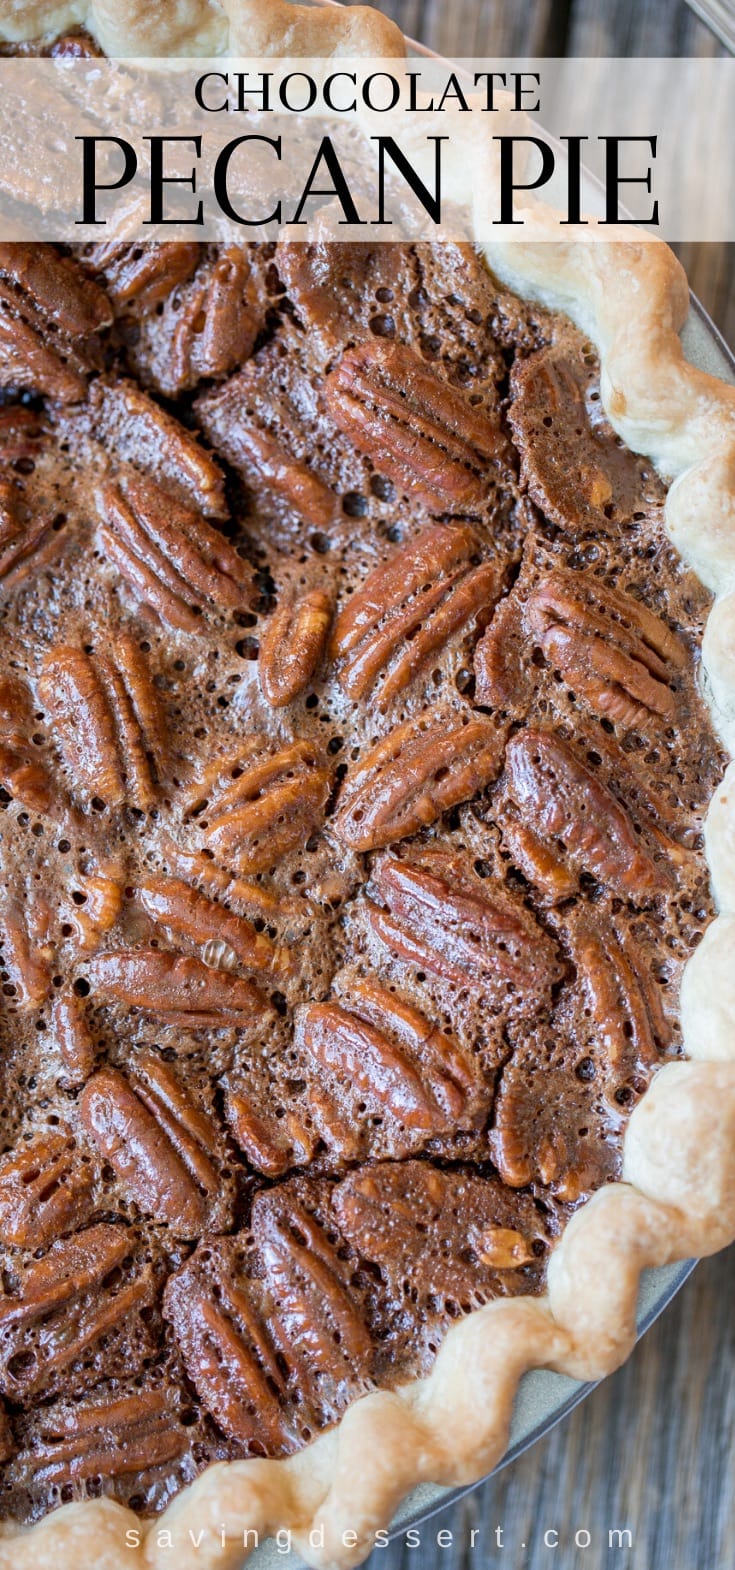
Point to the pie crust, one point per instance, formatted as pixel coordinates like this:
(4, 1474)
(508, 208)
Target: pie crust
(677, 1196)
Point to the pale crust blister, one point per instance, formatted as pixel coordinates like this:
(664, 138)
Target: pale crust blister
(677, 1196)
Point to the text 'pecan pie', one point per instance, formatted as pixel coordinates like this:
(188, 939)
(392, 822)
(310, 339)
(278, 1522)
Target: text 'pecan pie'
(354, 763)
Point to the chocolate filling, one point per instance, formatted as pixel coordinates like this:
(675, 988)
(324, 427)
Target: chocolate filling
(353, 769)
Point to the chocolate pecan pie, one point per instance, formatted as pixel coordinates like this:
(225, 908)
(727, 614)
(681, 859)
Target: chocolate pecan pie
(354, 763)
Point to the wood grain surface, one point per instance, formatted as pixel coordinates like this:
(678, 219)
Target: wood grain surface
(651, 1450)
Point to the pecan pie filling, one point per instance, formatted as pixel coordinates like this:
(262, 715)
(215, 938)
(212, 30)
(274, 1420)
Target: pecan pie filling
(353, 769)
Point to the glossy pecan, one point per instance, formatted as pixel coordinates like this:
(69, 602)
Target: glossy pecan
(540, 861)
(163, 1149)
(107, 719)
(374, 1042)
(50, 315)
(70, 1444)
(624, 1005)
(138, 278)
(173, 559)
(617, 655)
(420, 430)
(95, 904)
(408, 609)
(228, 1353)
(26, 962)
(318, 1323)
(255, 806)
(16, 709)
(200, 871)
(577, 818)
(135, 431)
(78, 1309)
(456, 1235)
(575, 470)
(29, 536)
(206, 328)
(291, 646)
(29, 781)
(177, 988)
(225, 939)
(441, 917)
(266, 447)
(72, 1035)
(324, 1110)
(272, 1143)
(271, 1326)
(420, 770)
(45, 1190)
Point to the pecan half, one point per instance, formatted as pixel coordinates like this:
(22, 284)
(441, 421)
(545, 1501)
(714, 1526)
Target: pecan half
(197, 868)
(615, 653)
(576, 472)
(176, 988)
(271, 1143)
(395, 1057)
(228, 1354)
(423, 433)
(291, 646)
(64, 1317)
(137, 278)
(541, 864)
(134, 430)
(318, 1324)
(443, 918)
(173, 559)
(454, 1234)
(624, 1006)
(273, 1335)
(577, 817)
(26, 963)
(28, 781)
(502, 678)
(96, 902)
(50, 315)
(408, 609)
(72, 1035)
(206, 328)
(162, 1148)
(72, 1443)
(182, 912)
(420, 770)
(340, 1096)
(45, 1191)
(265, 446)
(108, 720)
(257, 805)
(29, 537)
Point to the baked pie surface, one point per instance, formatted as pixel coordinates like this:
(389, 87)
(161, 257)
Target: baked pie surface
(355, 766)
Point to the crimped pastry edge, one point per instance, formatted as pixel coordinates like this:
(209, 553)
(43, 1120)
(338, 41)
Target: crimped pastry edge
(677, 1194)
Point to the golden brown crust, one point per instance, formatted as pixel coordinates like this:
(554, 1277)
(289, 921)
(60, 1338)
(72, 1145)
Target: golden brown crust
(678, 1193)
(257, 28)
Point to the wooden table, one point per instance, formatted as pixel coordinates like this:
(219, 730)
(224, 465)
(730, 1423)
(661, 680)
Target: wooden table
(651, 1450)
